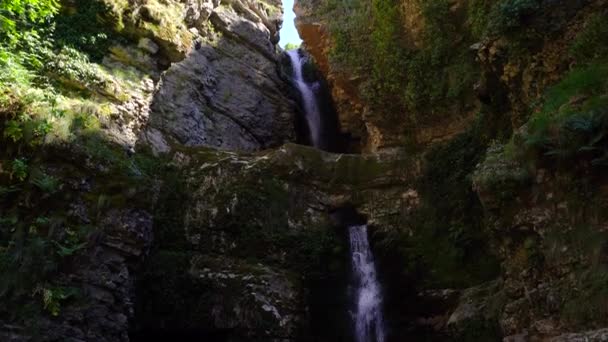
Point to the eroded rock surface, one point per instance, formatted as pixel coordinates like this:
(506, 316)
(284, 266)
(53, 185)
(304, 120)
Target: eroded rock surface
(226, 92)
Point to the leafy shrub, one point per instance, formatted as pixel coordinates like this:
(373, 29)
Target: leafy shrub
(19, 16)
(53, 296)
(13, 130)
(72, 67)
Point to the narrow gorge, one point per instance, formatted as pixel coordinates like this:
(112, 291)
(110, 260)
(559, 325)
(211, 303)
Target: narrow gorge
(416, 170)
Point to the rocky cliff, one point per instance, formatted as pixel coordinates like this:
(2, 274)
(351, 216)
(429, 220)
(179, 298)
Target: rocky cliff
(90, 118)
(150, 187)
(500, 101)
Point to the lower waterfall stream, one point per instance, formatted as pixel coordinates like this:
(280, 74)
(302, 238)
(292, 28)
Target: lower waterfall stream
(369, 321)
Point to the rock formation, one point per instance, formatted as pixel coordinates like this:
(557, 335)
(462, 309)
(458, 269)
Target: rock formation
(150, 186)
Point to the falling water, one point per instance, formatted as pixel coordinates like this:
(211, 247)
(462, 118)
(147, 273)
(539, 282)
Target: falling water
(311, 108)
(369, 323)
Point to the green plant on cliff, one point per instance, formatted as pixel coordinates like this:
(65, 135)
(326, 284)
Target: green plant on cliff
(46, 183)
(19, 169)
(396, 78)
(388, 58)
(573, 120)
(17, 17)
(592, 42)
(53, 296)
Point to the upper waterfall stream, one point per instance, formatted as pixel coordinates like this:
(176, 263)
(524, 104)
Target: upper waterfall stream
(369, 321)
(309, 100)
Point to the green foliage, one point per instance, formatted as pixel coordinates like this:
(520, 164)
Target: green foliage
(397, 77)
(31, 256)
(291, 46)
(499, 175)
(12, 72)
(52, 297)
(447, 220)
(19, 16)
(388, 57)
(47, 184)
(508, 15)
(138, 168)
(478, 15)
(586, 81)
(65, 251)
(87, 29)
(592, 42)
(13, 130)
(6, 190)
(590, 304)
(74, 68)
(19, 169)
(27, 263)
(573, 121)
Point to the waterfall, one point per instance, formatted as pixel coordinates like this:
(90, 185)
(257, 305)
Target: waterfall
(311, 108)
(369, 323)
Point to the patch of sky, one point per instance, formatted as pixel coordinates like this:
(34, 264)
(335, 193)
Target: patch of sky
(289, 34)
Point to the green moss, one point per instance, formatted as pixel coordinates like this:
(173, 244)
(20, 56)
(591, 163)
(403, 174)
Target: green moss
(483, 326)
(500, 176)
(586, 81)
(449, 219)
(587, 306)
(398, 80)
(572, 120)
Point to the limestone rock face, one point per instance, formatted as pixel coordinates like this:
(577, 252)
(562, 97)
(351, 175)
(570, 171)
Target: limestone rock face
(193, 73)
(226, 92)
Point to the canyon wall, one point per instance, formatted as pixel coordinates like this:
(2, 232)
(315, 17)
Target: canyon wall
(488, 96)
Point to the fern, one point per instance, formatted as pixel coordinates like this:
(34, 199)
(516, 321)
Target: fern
(19, 169)
(46, 183)
(6, 190)
(13, 131)
(65, 251)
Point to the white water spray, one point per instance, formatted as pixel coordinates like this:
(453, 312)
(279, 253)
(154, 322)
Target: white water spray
(311, 109)
(369, 322)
